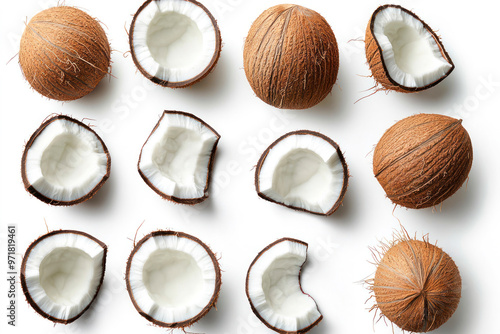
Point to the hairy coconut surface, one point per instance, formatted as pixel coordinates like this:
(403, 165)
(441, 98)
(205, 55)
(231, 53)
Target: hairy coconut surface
(403, 52)
(417, 286)
(291, 57)
(64, 53)
(423, 159)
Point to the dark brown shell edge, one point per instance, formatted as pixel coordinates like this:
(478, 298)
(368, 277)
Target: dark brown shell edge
(23, 275)
(188, 201)
(181, 84)
(263, 157)
(254, 310)
(376, 61)
(29, 187)
(206, 309)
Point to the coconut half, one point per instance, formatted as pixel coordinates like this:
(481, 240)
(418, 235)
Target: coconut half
(64, 162)
(274, 291)
(61, 274)
(403, 52)
(173, 279)
(303, 170)
(174, 43)
(177, 159)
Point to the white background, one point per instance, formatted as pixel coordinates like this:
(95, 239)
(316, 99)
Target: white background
(235, 222)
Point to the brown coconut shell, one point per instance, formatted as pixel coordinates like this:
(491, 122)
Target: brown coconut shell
(64, 53)
(376, 60)
(417, 286)
(187, 201)
(264, 155)
(423, 159)
(33, 191)
(291, 57)
(180, 84)
(24, 285)
(218, 281)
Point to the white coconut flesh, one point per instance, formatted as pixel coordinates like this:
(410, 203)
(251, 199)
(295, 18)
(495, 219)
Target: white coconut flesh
(65, 161)
(411, 55)
(176, 157)
(274, 290)
(303, 171)
(174, 40)
(63, 273)
(172, 279)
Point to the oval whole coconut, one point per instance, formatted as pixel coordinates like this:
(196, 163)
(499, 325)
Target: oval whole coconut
(417, 286)
(64, 53)
(291, 57)
(422, 160)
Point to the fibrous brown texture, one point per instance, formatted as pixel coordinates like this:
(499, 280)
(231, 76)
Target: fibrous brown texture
(64, 53)
(291, 57)
(376, 60)
(417, 286)
(423, 159)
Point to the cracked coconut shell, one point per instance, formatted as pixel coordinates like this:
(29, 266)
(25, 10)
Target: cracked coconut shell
(423, 160)
(64, 53)
(291, 57)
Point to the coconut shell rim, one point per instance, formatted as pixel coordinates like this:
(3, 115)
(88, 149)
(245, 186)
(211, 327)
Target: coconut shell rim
(177, 84)
(24, 286)
(188, 201)
(434, 36)
(33, 191)
(247, 280)
(345, 185)
(218, 281)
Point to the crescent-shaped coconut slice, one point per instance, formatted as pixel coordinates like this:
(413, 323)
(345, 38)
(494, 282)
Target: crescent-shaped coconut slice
(274, 291)
(61, 274)
(65, 162)
(403, 52)
(303, 170)
(174, 43)
(176, 160)
(173, 279)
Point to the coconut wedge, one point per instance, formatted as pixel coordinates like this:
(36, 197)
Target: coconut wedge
(403, 52)
(303, 170)
(64, 162)
(174, 43)
(173, 279)
(61, 274)
(176, 160)
(274, 291)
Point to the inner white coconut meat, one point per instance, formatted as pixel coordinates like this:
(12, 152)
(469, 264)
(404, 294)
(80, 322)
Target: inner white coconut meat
(61, 274)
(274, 291)
(174, 42)
(176, 160)
(412, 53)
(65, 162)
(303, 170)
(172, 278)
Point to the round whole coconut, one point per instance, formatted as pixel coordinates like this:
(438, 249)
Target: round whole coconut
(291, 57)
(417, 286)
(423, 160)
(64, 53)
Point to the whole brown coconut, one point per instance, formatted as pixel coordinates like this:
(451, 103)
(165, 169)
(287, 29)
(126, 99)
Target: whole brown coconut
(64, 53)
(422, 160)
(417, 286)
(291, 57)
